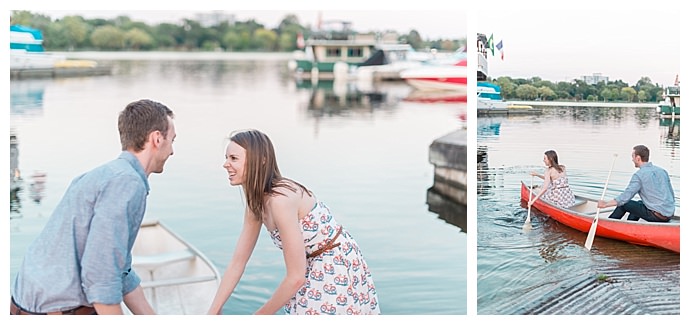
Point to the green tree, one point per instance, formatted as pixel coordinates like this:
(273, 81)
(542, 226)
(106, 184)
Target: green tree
(136, 39)
(210, 45)
(414, 39)
(287, 42)
(546, 93)
(643, 82)
(232, 41)
(628, 94)
(168, 35)
(75, 30)
(193, 34)
(287, 31)
(265, 39)
(507, 87)
(108, 38)
(29, 19)
(607, 94)
(527, 92)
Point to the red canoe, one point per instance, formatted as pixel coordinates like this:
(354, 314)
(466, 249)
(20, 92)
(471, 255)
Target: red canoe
(664, 235)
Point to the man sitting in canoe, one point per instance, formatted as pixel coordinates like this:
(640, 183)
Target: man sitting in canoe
(653, 185)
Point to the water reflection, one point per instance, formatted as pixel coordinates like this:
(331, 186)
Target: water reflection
(340, 97)
(442, 96)
(643, 116)
(17, 182)
(452, 212)
(671, 131)
(15, 177)
(37, 187)
(488, 127)
(26, 96)
(483, 182)
(447, 197)
(589, 113)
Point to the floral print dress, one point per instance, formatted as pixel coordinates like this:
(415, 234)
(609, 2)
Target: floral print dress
(338, 279)
(559, 193)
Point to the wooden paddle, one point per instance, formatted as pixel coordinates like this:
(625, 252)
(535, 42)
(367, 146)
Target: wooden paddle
(593, 228)
(528, 224)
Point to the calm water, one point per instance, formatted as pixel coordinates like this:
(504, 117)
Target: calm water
(366, 155)
(548, 270)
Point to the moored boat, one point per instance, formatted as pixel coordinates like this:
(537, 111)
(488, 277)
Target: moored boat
(439, 76)
(29, 59)
(665, 235)
(670, 106)
(335, 50)
(27, 51)
(177, 278)
(489, 98)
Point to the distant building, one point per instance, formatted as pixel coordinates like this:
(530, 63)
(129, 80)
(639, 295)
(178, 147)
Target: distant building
(595, 79)
(215, 18)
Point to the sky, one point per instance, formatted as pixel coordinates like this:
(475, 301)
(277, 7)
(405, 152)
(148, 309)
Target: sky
(562, 43)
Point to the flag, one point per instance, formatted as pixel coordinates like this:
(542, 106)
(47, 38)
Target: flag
(490, 44)
(677, 82)
(499, 46)
(300, 40)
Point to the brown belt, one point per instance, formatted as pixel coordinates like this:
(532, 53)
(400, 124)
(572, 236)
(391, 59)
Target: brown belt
(329, 245)
(660, 216)
(81, 310)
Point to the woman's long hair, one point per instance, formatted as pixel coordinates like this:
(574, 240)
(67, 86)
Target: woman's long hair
(553, 160)
(262, 175)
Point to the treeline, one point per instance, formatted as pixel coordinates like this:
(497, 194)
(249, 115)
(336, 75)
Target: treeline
(75, 33)
(618, 91)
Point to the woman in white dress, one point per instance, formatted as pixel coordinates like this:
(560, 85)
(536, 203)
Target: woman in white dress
(325, 270)
(555, 188)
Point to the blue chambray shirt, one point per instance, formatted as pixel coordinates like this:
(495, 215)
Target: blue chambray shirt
(654, 187)
(83, 255)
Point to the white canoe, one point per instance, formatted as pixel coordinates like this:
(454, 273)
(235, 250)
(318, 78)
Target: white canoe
(176, 277)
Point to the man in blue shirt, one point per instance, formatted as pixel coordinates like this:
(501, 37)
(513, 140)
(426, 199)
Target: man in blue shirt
(653, 185)
(81, 261)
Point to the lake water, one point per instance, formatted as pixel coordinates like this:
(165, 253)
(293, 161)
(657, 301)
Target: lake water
(364, 151)
(547, 270)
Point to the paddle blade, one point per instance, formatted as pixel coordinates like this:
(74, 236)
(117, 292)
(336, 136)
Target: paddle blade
(528, 222)
(528, 225)
(590, 235)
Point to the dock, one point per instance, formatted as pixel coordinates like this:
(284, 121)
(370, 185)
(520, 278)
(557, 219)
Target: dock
(564, 104)
(60, 72)
(509, 111)
(448, 195)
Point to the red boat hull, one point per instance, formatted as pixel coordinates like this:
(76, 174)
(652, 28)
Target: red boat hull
(664, 235)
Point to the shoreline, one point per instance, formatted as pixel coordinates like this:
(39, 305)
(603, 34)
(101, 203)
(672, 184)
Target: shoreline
(560, 104)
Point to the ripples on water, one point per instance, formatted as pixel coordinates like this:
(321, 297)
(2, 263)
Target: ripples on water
(547, 270)
(364, 152)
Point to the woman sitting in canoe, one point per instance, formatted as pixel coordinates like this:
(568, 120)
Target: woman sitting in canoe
(556, 188)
